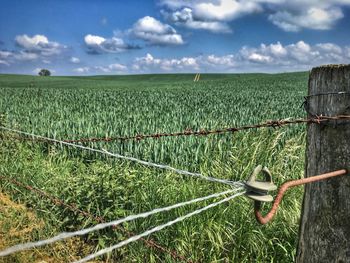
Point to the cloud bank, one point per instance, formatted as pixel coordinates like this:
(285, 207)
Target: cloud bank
(274, 57)
(32, 49)
(214, 15)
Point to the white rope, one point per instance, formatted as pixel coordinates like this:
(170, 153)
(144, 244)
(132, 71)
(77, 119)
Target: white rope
(160, 166)
(155, 229)
(64, 235)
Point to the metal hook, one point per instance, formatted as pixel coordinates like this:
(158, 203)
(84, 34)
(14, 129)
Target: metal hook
(254, 193)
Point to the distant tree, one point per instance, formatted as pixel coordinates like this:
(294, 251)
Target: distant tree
(44, 72)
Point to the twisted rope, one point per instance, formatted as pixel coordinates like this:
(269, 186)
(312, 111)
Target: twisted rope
(74, 208)
(156, 229)
(65, 235)
(145, 163)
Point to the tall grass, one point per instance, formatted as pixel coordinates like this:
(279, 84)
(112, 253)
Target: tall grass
(106, 106)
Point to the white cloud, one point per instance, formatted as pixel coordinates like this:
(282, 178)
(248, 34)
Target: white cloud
(330, 47)
(212, 62)
(312, 18)
(296, 56)
(227, 61)
(39, 44)
(155, 32)
(274, 57)
(225, 10)
(207, 14)
(91, 40)
(3, 62)
(4, 57)
(347, 52)
(111, 68)
(276, 49)
(81, 70)
(255, 57)
(118, 67)
(184, 17)
(32, 49)
(175, 4)
(288, 15)
(100, 45)
(149, 63)
(5, 54)
(332, 52)
(35, 42)
(26, 56)
(36, 71)
(74, 60)
(264, 54)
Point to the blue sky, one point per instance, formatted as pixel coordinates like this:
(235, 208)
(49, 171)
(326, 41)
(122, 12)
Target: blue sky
(88, 37)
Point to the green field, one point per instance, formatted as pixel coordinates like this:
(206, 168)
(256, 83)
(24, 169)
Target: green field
(99, 106)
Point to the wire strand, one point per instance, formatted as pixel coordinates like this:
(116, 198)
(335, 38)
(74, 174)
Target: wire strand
(149, 164)
(65, 235)
(156, 229)
(74, 208)
(204, 132)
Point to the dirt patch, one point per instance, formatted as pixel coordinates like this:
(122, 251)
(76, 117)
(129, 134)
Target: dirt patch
(18, 224)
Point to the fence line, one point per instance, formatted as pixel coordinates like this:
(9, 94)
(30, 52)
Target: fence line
(74, 208)
(65, 235)
(149, 164)
(269, 123)
(237, 185)
(156, 229)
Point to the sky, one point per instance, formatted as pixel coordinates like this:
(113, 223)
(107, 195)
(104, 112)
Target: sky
(93, 37)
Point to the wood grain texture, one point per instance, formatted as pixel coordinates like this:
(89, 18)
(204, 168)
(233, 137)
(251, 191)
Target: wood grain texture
(324, 234)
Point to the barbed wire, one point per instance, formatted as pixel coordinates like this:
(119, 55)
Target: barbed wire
(65, 235)
(328, 93)
(115, 224)
(156, 229)
(74, 208)
(306, 104)
(203, 132)
(132, 159)
(267, 124)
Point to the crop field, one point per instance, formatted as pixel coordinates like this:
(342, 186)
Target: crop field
(107, 106)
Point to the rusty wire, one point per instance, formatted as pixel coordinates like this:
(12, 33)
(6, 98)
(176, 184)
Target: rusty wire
(74, 208)
(203, 132)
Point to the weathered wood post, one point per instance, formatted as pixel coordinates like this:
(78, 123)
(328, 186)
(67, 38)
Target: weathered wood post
(324, 234)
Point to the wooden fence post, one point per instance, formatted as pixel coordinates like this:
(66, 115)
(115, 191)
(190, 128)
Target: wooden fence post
(324, 234)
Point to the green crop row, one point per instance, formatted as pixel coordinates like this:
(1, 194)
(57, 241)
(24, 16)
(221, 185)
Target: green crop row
(73, 107)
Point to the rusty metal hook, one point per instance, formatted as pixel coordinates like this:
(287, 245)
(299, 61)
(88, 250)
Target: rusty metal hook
(257, 203)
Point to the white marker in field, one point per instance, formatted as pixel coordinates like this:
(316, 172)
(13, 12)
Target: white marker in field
(196, 78)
